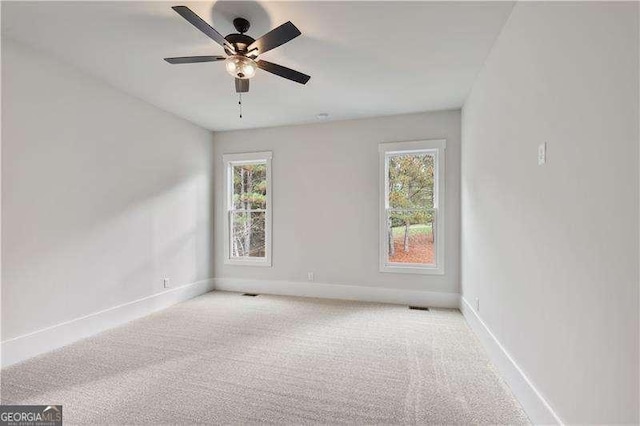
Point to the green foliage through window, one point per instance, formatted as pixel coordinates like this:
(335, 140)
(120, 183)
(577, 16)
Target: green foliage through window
(250, 186)
(411, 198)
(248, 220)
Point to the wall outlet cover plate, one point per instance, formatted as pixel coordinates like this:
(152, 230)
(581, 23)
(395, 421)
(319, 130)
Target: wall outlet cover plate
(542, 153)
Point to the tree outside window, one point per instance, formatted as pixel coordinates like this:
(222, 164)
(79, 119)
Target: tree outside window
(248, 208)
(410, 213)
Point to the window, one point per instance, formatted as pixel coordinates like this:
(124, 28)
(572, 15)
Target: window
(411, 207)
(248, 208)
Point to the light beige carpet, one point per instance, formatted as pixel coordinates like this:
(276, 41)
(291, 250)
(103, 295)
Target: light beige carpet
(228, 358)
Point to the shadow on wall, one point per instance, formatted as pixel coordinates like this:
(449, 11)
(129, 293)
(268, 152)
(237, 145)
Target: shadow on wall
(136, 238)
(224, 12)
(181, 235)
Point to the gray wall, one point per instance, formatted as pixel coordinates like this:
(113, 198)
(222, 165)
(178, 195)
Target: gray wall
(552, 251)
(102, 195)
(326, 199)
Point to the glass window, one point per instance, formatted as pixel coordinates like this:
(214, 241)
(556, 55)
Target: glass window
(248, 208)
(411, 239)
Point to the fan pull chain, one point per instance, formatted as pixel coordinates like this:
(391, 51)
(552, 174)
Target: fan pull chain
(240, 103)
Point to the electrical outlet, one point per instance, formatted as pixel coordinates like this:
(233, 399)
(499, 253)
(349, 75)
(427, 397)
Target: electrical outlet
(542, 153)
(477, 304)
(310, 276)
(166, 282)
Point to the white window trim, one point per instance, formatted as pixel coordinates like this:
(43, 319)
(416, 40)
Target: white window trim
(229, 160)
(438, 147)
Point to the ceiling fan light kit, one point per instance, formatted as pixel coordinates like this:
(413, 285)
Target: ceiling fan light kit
(239, 66)
(242, 50)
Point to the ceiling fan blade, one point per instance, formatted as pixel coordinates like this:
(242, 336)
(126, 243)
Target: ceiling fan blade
(200, 24)
(276, 37)
(194, 59)
(285, 72)
(242, 85)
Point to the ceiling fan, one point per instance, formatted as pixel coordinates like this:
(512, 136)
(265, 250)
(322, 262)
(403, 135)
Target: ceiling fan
(242, 50)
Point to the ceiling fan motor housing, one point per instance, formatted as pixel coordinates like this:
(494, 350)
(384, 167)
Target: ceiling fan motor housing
(240, 42)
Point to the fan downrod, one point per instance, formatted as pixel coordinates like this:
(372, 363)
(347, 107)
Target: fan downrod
(241, 25)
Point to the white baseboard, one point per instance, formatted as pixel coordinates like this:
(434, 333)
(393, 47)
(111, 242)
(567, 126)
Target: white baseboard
(29, 345)
(339, 291)
(532, 401)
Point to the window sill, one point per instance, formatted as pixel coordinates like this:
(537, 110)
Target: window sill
(420, 270)
(248, 262)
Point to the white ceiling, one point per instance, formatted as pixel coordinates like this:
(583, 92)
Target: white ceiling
(365, 58)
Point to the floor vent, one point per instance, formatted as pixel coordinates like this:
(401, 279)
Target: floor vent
(419, 308)
(249, 294)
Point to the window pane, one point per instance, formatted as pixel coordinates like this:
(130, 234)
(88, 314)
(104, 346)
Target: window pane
(410, 237)
(250, 186)
(248, 234)
(411, 182)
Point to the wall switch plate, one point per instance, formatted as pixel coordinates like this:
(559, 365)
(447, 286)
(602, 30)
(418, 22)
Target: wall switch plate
(166, 282)
(542, 153)
(310, 276)
(477, 304)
